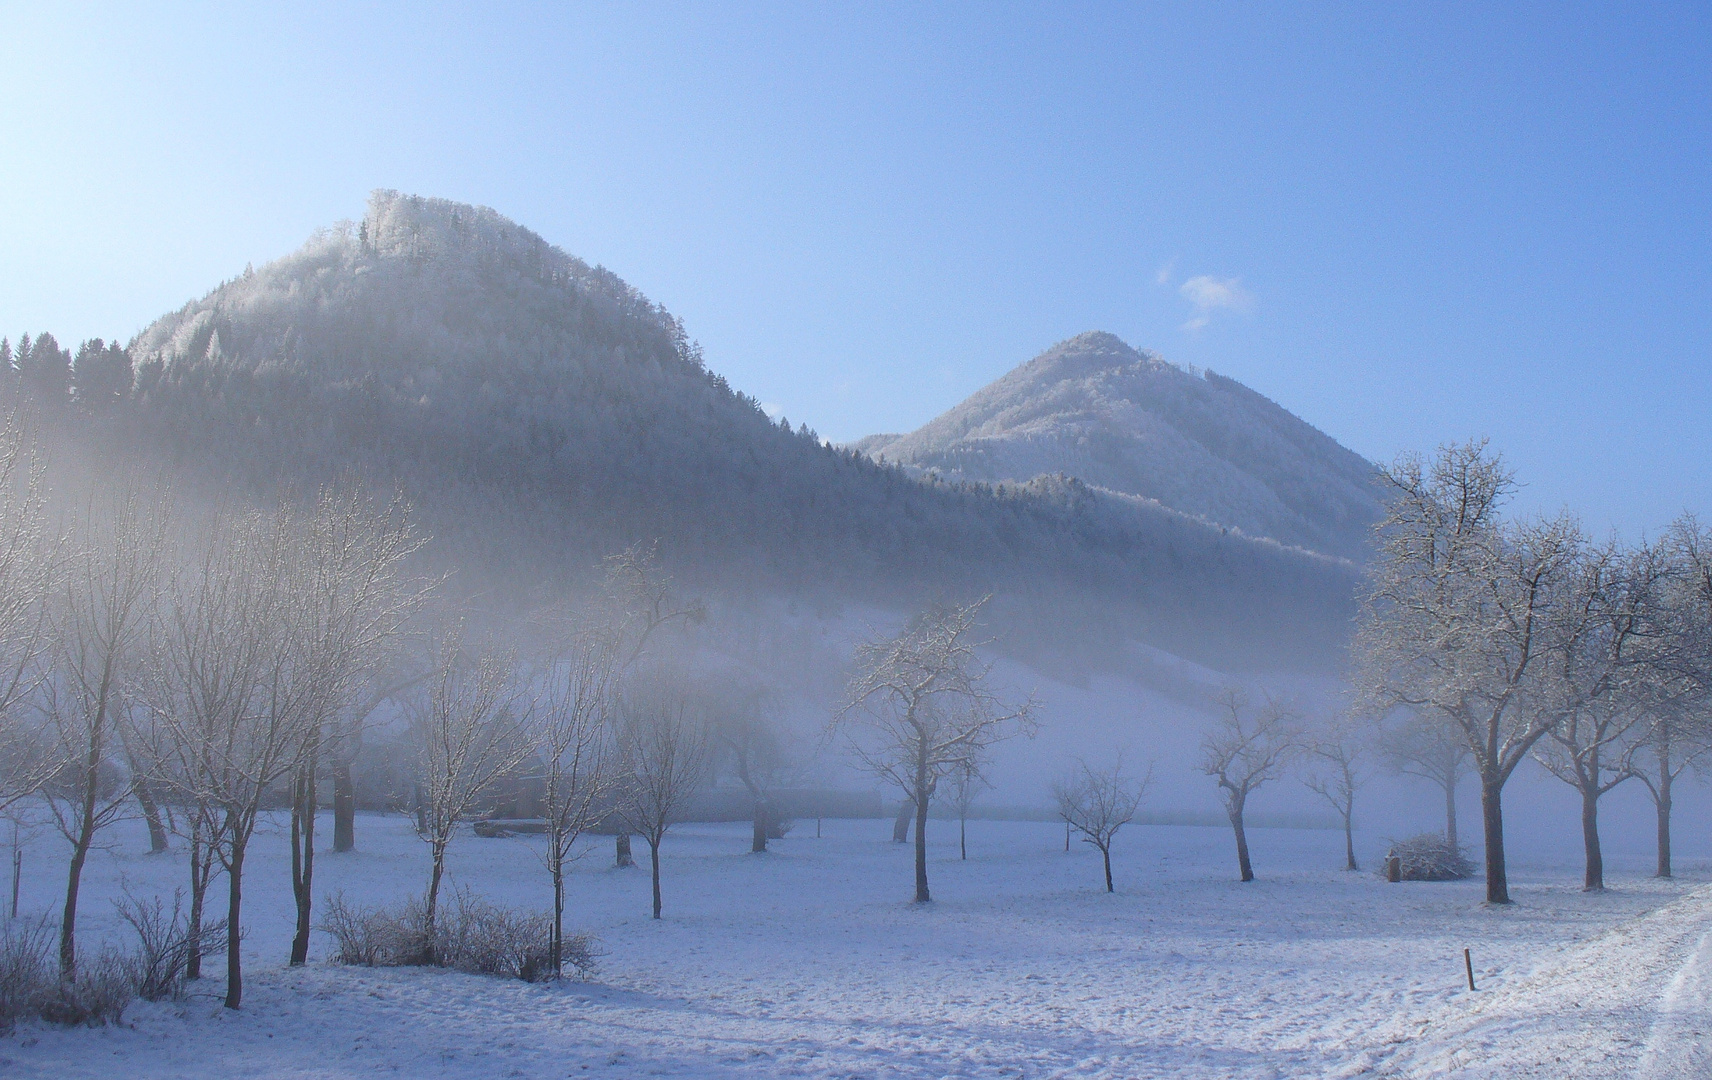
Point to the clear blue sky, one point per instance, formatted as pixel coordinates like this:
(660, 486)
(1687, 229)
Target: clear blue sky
(1406, 226)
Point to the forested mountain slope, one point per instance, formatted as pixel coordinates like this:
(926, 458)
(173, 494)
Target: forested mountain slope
(541, 413)
(1094, 408)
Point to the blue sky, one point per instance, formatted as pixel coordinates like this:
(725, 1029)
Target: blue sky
(1406, 225)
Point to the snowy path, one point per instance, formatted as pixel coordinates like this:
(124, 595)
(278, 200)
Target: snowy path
(1632, 1002)
(810, 962)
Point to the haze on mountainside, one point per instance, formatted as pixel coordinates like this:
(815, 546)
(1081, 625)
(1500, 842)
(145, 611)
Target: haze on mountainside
(541, 413)
(1094, 408)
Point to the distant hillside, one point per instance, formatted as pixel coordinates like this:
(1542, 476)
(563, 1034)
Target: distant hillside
(541, 412)
(1097, 409)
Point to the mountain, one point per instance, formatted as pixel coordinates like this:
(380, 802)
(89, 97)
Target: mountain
(540, 413)
(1117, 418)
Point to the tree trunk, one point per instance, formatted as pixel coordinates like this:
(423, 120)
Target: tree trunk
(303, 859)
(558, 943)
(1594, 880)
(74, 879)
(758, 842)
(901, 824)
(200, 868)
(1662, 804)
(1106, 853)
(430, 912)
(1241, 844)
(1349, 842)
(151, 814)
(921, 895)
(344, 808)
(654, 858)
(621, 856)
(962, 837)
(234, 935)
(1492, 817)
(1450, 813)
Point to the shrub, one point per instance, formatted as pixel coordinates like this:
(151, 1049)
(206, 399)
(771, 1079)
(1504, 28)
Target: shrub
(164, 944)
(471, 935)
(104, 987)
(26, 969)
(375, 937)
(1429, 857)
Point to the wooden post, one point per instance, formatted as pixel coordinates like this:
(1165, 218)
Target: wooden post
(817, 828)
(1393, 868)
(1066, 835)
(1468, 962)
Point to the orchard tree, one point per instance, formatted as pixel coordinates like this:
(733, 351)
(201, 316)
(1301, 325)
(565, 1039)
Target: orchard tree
(1431, 750)
(1337, 759)
(664, 746)
(921, 706)
(1459, 612)
(1099, 802)
(31, 556)
(1245, 749)
(471, 730)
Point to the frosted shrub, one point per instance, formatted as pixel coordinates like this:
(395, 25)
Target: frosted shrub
(30, 985)
(105, 986)
(26, 970)
(471, 935)
(164, 944)
(1429, 857)
(375, 937)
(484, 939)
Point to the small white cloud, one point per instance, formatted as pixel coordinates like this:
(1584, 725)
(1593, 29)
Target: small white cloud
(772, 410)
(1162, 276)
(1209, 295)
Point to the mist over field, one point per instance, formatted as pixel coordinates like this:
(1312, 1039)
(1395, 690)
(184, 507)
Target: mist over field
(1108, 543)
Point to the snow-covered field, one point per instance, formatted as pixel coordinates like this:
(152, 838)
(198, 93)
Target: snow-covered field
(809, 961)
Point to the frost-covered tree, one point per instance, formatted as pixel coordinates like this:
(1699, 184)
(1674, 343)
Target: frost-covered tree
(99, 614)
(1594, 681)
(664, 747)
(1336, 769)
(1246, 748)
(30, 559)
(1459, 612)
(755, 746)
(1099, 802)
(1431, 750)
(349, 601)
(575, 747)
(921, 705)
(471, 729)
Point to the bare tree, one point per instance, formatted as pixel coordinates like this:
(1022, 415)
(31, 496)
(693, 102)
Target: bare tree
(470, 732)
(1336, 771)
(1458, 613)
(664, 745)
(1099, 802)
(1668, 744)
(920, 706)
(967, 782)
(756, 746)
(29, 557)
(1431, 751)
(233, 691)
(643, 601)
(1245, 749)
(349, 601)
(1593, 682)
(574, 744)
(98, 616)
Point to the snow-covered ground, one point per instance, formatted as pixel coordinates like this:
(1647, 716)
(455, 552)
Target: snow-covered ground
(809, 961)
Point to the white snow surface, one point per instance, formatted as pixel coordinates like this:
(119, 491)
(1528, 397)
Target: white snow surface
(809, 961)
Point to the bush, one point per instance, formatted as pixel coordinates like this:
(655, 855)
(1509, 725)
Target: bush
(375, 937)
(26, 970)
(471, 935)
(30, 986)
(104, 987)
(164, 944)
(1429, 857)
